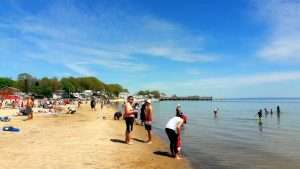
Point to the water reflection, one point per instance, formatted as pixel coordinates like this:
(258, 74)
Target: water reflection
(234, 138)
(278, 119)
(260, 125)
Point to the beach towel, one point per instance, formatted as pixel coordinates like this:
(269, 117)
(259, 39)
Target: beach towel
(10, 128)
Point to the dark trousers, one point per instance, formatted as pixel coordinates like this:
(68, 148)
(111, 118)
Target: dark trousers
(173, 137)
(129, 124)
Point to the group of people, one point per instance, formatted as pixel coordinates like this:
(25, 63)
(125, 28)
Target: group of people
(45, 106)
(129, 117)
(260, 112)
(172, 128)
(8, 103)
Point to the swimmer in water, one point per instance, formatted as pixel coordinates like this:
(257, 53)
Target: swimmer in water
(216, 111)
(259, 114)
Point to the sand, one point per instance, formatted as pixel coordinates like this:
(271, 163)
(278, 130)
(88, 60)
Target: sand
(80, 141)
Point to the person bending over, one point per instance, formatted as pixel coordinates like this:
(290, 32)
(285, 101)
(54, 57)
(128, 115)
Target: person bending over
(172, 129)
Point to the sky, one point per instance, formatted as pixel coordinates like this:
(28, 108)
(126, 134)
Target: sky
(232, 48)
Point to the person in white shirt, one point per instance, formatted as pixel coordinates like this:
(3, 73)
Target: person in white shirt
(172, 129)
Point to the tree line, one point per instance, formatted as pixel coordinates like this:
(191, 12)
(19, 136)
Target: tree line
(153, 93)
(45, 86)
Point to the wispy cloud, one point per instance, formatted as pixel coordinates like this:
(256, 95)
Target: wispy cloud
(78, 38)
(227, 82)
(193, 72)
(283, 18)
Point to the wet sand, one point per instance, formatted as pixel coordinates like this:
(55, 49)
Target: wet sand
(80, 141)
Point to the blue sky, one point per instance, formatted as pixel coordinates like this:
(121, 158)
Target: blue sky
(233, 48)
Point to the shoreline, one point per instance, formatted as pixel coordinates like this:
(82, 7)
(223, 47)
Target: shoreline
(81, 141)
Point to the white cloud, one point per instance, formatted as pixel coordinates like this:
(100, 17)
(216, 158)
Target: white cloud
(79, 68)
(283, 18)
(108, 37)
(224, 83)
(179, 54)
(193, 72)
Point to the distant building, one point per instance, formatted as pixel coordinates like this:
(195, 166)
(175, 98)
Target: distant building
(58, 94)
(88, 93)
(123, 95)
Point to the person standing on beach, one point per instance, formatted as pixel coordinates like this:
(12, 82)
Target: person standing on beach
(93, 104)
(129, 118)
(142, 113)
(172, 129)
(148, 120)
(136, 107)
(79, 103)
(102, 105)
(28, 108)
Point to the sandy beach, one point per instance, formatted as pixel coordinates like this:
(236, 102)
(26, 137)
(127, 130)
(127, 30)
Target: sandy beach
(79, 141)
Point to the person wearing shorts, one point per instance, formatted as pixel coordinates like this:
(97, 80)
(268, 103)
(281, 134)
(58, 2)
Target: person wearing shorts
(148, 120)
(129, 119)
(28, 108)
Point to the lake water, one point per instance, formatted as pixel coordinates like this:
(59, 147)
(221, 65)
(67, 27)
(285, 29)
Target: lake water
(235, 139)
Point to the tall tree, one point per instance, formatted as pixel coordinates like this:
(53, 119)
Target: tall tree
(6, 82)
(115, 89)
(25, 82)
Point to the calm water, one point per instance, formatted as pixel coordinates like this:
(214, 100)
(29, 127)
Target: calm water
(234, 139)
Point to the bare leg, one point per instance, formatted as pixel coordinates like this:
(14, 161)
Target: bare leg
(149, 137)
(126, 136)
(30, 117)
(129, 138)
(177, 157)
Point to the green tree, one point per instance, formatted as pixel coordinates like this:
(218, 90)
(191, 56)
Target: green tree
(155, 93)
(25, 82)
(43, 87)
(55, 84)
(69, 84)
(115, 89)
(90, 83)
(6, 82)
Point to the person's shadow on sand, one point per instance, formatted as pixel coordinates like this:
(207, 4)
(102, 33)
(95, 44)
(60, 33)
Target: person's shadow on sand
(117, 141)
(163, 153)
(138, 140)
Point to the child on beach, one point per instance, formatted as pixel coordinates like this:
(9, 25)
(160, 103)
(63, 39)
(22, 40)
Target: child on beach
(184, 117)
